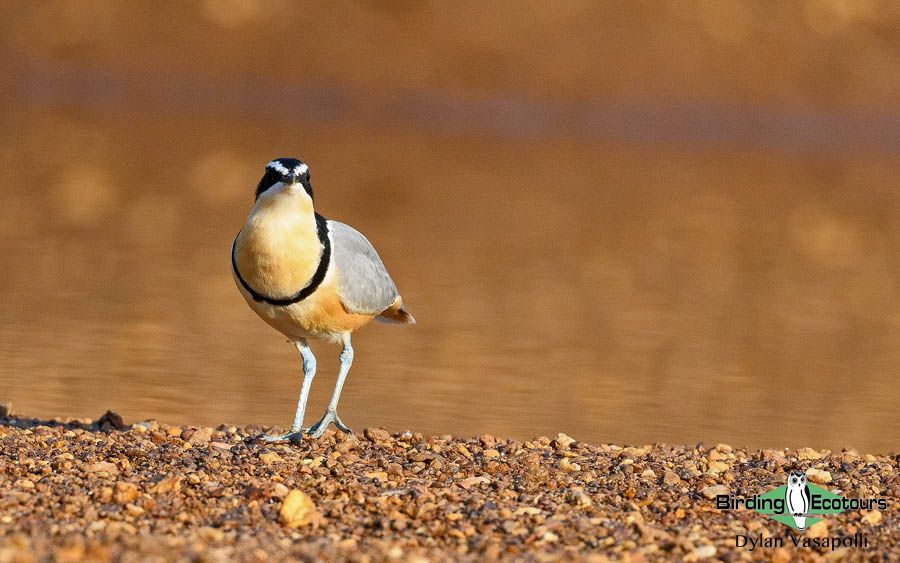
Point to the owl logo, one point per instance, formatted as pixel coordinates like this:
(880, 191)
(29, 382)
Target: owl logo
(796, 498)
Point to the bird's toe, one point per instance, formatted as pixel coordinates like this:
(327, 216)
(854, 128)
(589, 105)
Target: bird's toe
(317, 429)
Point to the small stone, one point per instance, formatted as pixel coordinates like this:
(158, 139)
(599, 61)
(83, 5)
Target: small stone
(703, 552)
(103, 469)
(347, 443)
(487, 440)
(279, 490)
(126, 492)
(398, 524)
(567, 465)
(112, 420)
(565, 439)
(808, 453)
(270, 457)
(133, 509)
(380, 475)
(72, 552)
(716, 467)
(470, 482)
(562, 442)
(713, 491)
(5, 409)
(530, 510)
(579, 498)
(167, 484)
(377, 435)
(297, 510)
(201, 436)
(491, 453)
(781, 555)
(209, 533)
(818, 476)
(873, 517)
(818, 530)
(670, 478)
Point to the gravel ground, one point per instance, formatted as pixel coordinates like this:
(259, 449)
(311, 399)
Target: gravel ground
(77, 490)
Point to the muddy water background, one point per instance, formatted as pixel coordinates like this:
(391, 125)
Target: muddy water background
(629, 222)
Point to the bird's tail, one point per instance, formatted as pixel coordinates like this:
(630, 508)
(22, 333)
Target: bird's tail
(396, 314)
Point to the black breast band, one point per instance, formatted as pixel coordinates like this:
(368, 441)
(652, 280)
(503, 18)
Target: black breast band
(314, 281)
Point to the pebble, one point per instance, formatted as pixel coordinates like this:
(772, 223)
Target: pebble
(716, 467)
(702, 552)
(818, 476)
(379, 475)
(270, 457)
(470, 482)
(872, 517)
(566, 465)
(670, 478)
(201, 436)
(161, 492)
(818, 530)
(712, 491)
(377, 435)
(808, 453)
(297, 510)
(110, 421)
(103, 468)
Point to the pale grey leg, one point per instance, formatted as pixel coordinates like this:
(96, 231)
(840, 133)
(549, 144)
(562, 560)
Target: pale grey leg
(331, 415)
(309, 372)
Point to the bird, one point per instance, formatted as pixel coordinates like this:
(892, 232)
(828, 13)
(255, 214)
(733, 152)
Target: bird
(796, 497)
(309, 278)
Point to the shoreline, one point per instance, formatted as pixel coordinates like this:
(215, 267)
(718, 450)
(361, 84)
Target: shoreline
(73, 490)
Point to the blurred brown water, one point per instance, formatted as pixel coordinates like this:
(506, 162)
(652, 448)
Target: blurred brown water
(640, 228)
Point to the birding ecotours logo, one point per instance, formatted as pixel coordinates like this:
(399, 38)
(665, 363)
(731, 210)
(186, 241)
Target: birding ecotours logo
(797, 503)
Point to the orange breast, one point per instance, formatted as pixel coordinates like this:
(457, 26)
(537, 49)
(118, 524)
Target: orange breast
(328, 315)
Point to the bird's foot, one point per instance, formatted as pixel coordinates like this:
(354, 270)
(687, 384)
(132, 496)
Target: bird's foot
(294, 436)
(330, 416)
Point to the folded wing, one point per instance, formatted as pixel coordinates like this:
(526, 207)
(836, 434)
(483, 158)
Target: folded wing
(364, 284)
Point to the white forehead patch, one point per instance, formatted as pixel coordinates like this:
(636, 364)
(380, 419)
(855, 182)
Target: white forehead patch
(278, 166)
(301, 169)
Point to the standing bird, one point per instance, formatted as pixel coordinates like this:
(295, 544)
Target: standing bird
(309, 277)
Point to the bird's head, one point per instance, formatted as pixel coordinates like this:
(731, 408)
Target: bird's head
(285, 173)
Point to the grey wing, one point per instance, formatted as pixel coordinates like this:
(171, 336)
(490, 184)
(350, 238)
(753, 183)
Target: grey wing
(363, 282)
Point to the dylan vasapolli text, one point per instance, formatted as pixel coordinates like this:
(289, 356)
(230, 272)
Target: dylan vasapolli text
(857, 540)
